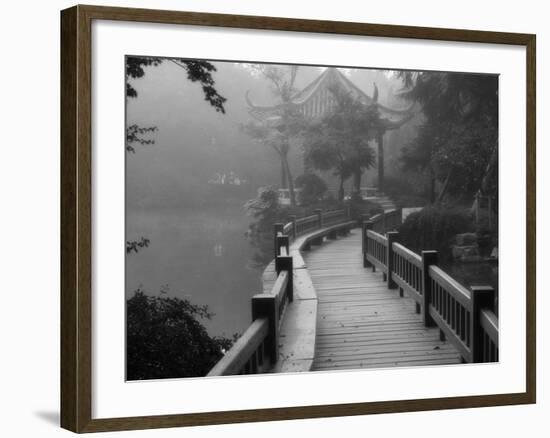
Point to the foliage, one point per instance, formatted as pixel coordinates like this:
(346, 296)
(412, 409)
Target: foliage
(340, 141)
(136, 245)
(313, 188)
(433, 228)
(406, 190)
(135, 135)
(457, 144)
(362, 208)
(277, 132)
(197, 71)
(265, 209)
(165, 338)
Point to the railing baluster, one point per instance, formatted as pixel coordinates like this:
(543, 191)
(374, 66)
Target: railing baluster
(428, 258)
(285, 263)
(392, 237)
(277, 228)
(265, 306)
(292, 220)
(482, 297)
(319, 214)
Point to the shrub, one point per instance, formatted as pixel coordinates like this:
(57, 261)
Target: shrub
(313, 188)
(433, 228)
(165, 339)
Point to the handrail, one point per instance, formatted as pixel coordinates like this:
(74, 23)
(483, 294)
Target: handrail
(247, 354)
(464, 316)
(257, 350)
(298, 227)
(387, 220)
(407, 271)
(489, 323)
(376, 250)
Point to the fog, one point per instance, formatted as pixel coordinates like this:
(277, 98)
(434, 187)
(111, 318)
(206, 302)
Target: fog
(193, 141)
(198, 249)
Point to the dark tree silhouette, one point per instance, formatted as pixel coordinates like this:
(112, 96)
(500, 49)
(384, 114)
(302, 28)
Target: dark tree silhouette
(197, 71)
(340, 141)
(291, 122)
(457, 145)
(165, 338)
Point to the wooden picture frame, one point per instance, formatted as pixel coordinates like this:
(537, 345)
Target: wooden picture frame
(76, 217)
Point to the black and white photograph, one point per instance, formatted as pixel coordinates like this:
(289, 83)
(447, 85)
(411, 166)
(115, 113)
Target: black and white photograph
(276, 219)
(302, 218)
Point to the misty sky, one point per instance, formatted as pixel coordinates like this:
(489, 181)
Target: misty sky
(193, 141)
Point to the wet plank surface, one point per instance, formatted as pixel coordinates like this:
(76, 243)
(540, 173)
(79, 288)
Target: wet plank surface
(360, 322)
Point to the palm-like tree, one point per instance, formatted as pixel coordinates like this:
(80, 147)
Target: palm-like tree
(340, 141)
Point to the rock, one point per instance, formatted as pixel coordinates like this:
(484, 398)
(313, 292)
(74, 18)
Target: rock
(459, 252)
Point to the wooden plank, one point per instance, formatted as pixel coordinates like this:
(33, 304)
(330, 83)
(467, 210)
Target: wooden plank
(362, 324)
(297, 338)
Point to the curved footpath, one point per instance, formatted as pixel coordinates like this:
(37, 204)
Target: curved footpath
(360, 322)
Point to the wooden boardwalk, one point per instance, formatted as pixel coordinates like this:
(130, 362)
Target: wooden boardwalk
(360, 322)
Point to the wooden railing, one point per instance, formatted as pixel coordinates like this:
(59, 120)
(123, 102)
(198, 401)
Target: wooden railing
(257, 350)
(334, 217)
(387, 220)
(297, 227)
(465, 317)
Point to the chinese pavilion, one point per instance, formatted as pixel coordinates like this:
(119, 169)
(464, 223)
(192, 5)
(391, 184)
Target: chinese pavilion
(317, 99)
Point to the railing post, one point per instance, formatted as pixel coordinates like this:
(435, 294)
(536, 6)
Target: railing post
(285, 263)
(292, 219)
(277, 228)
(319, 214)
(482, 297)
(392, 237)
(399, 217)
(265, 306)
(366, 226)
(280, 241)
(384, 227)
(428, 258)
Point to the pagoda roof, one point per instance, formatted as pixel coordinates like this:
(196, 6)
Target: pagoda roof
(316, 100)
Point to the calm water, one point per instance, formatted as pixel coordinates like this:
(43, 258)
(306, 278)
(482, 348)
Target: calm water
(200, 254)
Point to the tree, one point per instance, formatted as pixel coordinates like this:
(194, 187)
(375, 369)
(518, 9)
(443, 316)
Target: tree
(340, 141)
(277, 134)
(457, 143)
(196, 71)
(313, 188)
(265, 209)
(165, 338)
(324, 152)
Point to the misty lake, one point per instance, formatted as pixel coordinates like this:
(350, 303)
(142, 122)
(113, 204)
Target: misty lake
(198, 253)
